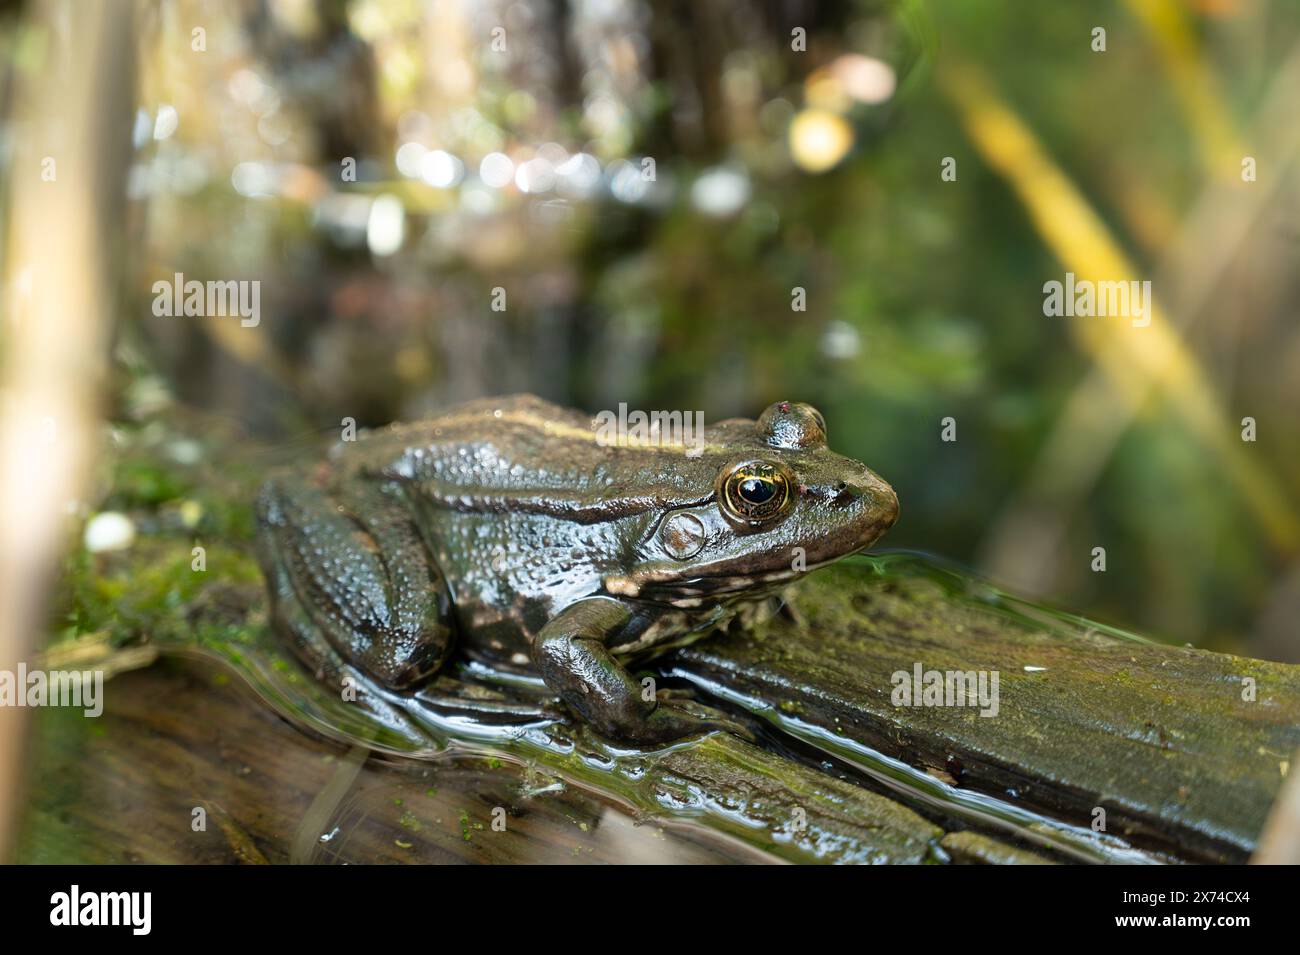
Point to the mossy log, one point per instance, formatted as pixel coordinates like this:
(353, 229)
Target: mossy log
(1103, 747)
(1158, 737)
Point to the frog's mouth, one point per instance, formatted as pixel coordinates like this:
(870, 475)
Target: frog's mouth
(695, 591)
(718, 585)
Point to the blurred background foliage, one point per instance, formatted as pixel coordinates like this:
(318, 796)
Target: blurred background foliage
(792, 145)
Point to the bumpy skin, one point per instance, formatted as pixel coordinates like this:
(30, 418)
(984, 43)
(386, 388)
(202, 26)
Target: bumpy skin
(507, 526)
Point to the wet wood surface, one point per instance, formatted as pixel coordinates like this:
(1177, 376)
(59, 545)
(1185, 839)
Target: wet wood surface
(180, 737)
(1161, 739)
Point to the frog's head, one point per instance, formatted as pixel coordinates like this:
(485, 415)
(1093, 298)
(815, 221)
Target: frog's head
(780, 504)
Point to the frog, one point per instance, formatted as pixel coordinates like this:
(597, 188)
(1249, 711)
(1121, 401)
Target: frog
(522, 534)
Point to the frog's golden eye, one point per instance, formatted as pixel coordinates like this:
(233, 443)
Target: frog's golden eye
(755, 493)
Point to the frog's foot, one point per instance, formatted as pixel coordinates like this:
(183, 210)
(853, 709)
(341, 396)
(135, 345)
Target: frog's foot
(352, 582)
(572, 656)
(681, 718)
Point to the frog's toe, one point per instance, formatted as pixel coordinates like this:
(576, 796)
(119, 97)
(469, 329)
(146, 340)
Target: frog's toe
(681, 719)
(667, 694)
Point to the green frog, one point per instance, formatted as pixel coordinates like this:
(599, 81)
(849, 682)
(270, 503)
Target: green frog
(527, 535)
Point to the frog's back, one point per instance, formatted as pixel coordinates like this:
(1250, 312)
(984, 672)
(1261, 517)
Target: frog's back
(524, 454)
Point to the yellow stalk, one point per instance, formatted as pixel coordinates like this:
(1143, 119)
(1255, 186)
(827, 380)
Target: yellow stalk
(1135, 359)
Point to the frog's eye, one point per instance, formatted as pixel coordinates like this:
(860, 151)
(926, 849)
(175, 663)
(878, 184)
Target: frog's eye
(755, 492)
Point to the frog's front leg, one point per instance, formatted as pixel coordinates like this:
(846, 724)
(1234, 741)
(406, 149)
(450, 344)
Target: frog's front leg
(351, 576)
(571, 652)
